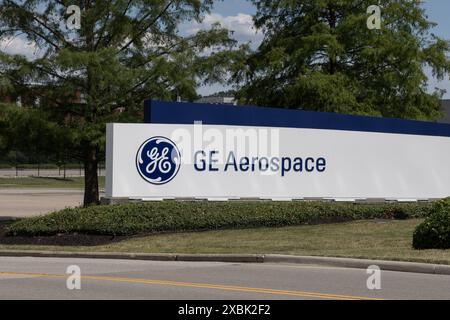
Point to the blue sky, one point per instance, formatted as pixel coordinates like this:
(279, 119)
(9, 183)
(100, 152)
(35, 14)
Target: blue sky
(233, 7)
(437, 10)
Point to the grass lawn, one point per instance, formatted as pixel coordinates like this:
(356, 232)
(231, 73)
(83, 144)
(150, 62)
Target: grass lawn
(49, 183)
(372, 239)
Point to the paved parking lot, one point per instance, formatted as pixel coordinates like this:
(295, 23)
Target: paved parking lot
(18, 203)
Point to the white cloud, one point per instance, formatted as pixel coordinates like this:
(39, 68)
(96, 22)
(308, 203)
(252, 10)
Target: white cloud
(241, 25)
(19, 46)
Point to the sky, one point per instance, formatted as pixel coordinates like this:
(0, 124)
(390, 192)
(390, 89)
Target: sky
(438, 11)
(239, 13)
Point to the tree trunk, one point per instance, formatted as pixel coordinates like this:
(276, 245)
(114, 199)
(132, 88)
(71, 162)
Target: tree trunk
(91, 192)
(332, 21)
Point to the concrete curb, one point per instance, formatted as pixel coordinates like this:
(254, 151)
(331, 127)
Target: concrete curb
(398, 266)
(137, 256)
(408, 267)
(240, 258)
(85, 255)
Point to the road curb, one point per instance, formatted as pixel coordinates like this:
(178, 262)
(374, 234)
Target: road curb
(240, 258)
(85, 255)
(408, 267)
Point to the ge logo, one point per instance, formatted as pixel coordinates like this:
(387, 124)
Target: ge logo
(158, 160)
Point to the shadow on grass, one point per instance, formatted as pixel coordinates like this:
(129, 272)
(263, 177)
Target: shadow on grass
(91, 240)
(53, 179)
(61, 240)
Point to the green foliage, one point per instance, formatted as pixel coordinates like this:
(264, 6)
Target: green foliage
(133, 219)
(434, 233)
(320, 55)
(4, 110)
(29, 131)
(125, 52)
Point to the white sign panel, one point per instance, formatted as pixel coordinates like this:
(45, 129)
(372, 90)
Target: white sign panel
(159, 161)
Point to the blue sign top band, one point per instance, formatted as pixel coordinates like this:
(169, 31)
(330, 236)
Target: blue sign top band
(216, 114)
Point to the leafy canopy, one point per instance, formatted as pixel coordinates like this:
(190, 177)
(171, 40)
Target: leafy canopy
(320, 55)
(125, 51)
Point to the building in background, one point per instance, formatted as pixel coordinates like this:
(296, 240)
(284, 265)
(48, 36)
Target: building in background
(224, 97)
(33, 96)
(217, 100)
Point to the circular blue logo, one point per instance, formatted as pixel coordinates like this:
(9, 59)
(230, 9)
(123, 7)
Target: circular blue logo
(158, 160)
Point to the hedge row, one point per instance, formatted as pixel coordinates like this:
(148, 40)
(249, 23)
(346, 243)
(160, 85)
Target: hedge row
(434, 233)
(148, 218)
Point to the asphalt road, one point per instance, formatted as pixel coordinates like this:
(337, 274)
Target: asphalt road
(45, 278)
(19, 203)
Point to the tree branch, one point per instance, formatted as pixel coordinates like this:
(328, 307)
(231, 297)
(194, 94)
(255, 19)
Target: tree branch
(142, 31)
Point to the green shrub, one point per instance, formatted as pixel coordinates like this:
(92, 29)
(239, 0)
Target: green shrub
(148, 218)
(397, 213)
(434, 233)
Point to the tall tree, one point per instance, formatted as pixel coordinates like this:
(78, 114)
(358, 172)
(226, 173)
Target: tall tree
(321, 55)
(124, 52)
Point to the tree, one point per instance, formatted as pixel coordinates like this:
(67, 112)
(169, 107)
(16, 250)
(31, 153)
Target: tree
(320, 55)
(123, 52)
(26, 131)
(4, 110)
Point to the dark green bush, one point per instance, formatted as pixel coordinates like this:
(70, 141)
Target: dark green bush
(397, 213)
(148, 218)
(434, 233)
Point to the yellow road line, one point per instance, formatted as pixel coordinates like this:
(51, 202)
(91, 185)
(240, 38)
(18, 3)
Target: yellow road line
(302, 294)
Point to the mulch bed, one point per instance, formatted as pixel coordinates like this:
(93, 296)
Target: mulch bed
(59, 240)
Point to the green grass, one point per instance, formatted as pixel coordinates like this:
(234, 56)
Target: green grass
(43, 182)
(388, 240)
(297, 228)
(151, 218)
